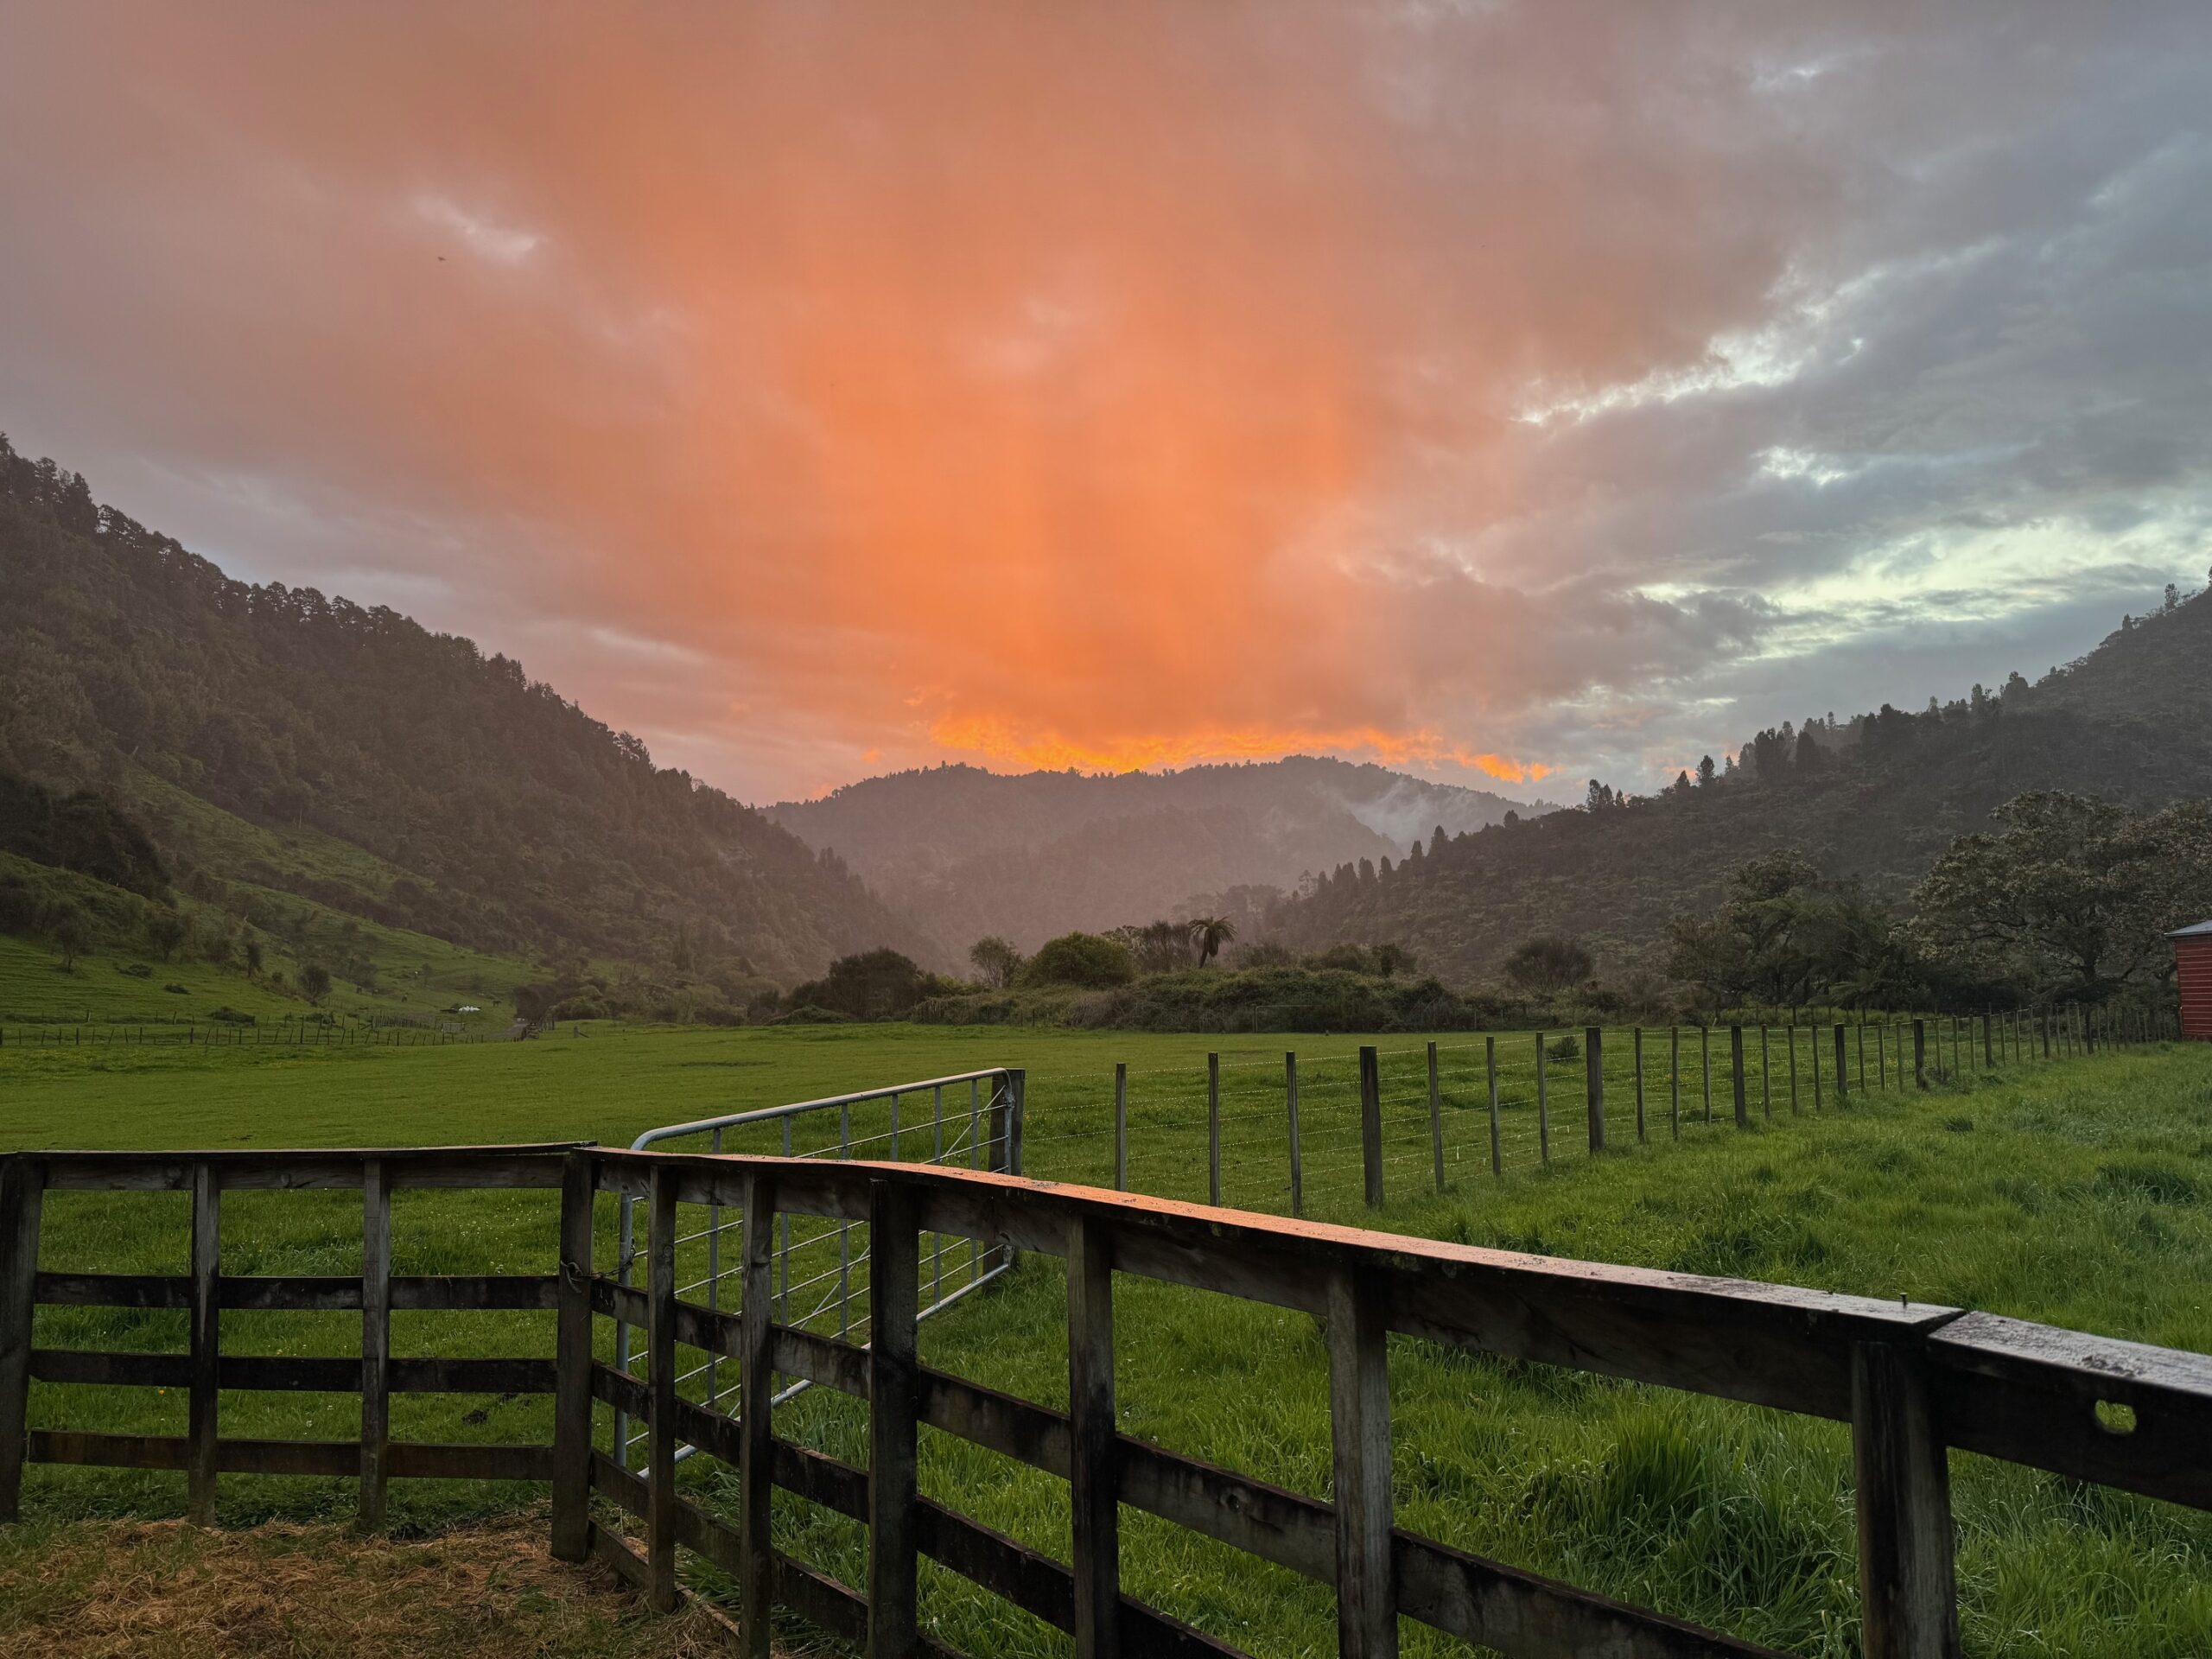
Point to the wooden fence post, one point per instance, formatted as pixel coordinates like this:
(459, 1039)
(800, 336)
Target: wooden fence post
(1297, 1163)
(1674, 1080)
(1360, 1427)
(1489, 1067)
(207, 1336)
(1543, 1106)
(1213, 1128)
(1907, 1585)
(1435, 1120)
(376, 1338)
(660, 1425)
(1593, 1079)
(1812, 1036)
(1736, 1062)
(893, 1415)
(23, 1191)
(572, 1400)
(1843, 1069)
(1792, 1033)
(1767, 1077)
(1988, 1052)
(1704, 1067)
(756, 1389)
(1121, 1126)
(1920, 1053)
(1094, 1454)
(1371, 1124)
(1637, 1045)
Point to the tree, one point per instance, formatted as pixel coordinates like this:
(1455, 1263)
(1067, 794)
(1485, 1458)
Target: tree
(1549, 964)
(1209, 934)
(165, 931)
(71, 929)
(1704, 770)
(878, 984)
(314, 982)
(2069, 897)
(995, 962)
(1083, 959)
(252, 948)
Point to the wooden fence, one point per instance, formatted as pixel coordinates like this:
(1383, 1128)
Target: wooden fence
(1912, 1381)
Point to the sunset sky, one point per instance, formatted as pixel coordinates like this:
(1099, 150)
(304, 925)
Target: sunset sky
(814, 390)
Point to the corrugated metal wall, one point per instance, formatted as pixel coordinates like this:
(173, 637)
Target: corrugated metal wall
(2193, 959)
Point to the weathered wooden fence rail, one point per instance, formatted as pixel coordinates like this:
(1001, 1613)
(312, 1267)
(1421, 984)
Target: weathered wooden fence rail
(1912, 1381)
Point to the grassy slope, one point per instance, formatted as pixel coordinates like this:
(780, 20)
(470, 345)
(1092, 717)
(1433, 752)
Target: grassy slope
(2081, 1195)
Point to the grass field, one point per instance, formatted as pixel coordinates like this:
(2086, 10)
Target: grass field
(2078, 1193)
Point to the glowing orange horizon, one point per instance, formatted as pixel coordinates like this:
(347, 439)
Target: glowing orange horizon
(1000, 742)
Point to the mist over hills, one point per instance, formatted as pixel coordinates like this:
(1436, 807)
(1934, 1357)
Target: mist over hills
(967, 853)
(276, 738)
(1876, 798)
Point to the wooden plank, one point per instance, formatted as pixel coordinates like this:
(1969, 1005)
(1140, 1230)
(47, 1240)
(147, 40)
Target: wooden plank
(108, 1451)
(820, 1479)
(820, 1359)
(1094, 1440)
(572, 1401)
(708, 1430)
(756, 1383)
(23, 1186)
(2030, 1394)
(408, 1461)
(628, 1565)
(460, 1293)
(623, 1302)
(1908, 1595)
(626, 1487)
(819, 1598)
(1018, 1428)
(893, 1239)
(1370, 1125)
(660, 1348)
(85, 1365)
(1498, 1607)
(1284, 1527)
(375, 1376)
(206, 1248)
(113, 1289)
(626, 1393)
(321, 1292)
(1359, 1429)
(1297, 1155)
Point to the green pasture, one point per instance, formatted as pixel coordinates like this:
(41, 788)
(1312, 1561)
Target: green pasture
(2078, 1193)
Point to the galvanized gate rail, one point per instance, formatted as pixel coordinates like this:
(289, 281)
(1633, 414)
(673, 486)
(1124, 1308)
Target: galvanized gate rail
(991, 1140)
(1913, 1383)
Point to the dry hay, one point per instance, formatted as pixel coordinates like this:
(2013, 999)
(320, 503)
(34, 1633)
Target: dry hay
(103, 1590)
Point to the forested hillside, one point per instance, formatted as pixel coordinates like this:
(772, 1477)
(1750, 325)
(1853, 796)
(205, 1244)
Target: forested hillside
(1876, 797)
(278, 738)
(968, 853)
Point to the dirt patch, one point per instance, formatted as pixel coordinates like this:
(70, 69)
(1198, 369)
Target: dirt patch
(100, 1590)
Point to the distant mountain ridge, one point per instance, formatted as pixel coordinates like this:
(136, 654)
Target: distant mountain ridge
(420, 783)
(967, 853)
(1876, 798)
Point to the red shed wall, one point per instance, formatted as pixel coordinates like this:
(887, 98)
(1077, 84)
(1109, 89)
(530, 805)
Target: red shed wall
(2193, 958)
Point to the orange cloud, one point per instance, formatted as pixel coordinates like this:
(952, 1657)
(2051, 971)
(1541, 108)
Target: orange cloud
(1106, 387)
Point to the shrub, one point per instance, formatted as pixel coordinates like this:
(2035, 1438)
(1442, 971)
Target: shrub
(177, 990)
(227, 1015)
(1565, 1048)
(1082, 959)
(134, 970)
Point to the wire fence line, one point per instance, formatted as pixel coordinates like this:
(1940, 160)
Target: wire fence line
(1337, 1133)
